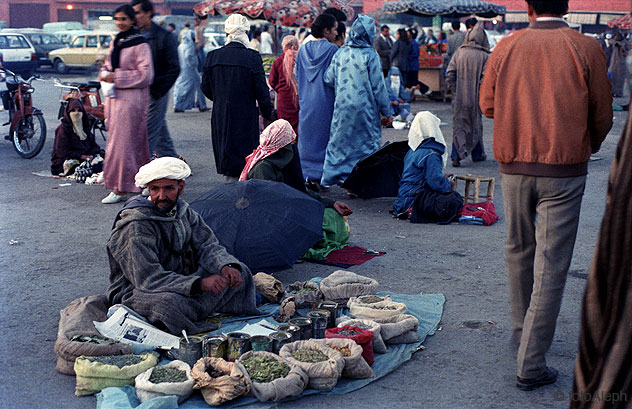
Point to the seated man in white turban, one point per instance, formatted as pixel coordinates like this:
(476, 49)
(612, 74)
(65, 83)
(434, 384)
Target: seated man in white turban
(165, 262)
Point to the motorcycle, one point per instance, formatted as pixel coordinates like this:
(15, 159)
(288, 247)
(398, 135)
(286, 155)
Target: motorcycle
(27, 128)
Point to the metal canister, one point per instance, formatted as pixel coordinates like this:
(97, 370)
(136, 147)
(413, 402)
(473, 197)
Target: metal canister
(214, 346)
(293, 330)
(261, 343)
(279, 339)
(305, 324)
(333, 308)
(331, 322)
(238, 343)
(319, 323)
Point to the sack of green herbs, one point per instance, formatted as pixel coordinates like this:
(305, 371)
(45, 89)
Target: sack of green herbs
(77, 336)
(99, 372)
(173, 378)
(372, 307)
(219, 381)
(355, 365)
(342, 285)
(378, 343)
(272, 377)
(322, 364)
(399, 329)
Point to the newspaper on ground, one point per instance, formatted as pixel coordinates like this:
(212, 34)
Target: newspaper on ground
(263, 327)
(128, 327)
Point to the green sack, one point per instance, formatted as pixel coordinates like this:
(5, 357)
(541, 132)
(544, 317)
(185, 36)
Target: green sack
(335, 236)
(92, 376)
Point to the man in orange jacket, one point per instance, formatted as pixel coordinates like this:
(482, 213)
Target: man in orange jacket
(547, 89)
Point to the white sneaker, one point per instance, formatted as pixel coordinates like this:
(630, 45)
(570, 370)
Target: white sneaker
(113, 198)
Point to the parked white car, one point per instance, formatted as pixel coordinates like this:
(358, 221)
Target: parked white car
(17, 54)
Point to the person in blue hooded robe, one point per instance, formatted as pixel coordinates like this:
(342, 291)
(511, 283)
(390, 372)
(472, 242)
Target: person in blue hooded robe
(397, 94)
(355, 73)
(423, 164)
(315, 99)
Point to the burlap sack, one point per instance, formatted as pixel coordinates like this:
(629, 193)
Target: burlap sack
(93, 376)
(399, 329)
(146, 390)
(378, 343)
(355, 366)
(269, 287)
(76, 319)
(322, 375)
(342, 285)
(216, 391)
(292, 385)
(381, 309)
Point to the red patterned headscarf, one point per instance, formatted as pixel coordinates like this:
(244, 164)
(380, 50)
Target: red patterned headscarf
(278, 134)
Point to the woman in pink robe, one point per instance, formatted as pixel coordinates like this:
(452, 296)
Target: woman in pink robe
(129, 66)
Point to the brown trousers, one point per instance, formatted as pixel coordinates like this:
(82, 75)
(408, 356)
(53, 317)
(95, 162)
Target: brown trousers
(542, 215)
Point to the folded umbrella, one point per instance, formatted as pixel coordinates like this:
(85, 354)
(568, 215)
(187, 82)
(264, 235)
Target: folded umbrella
(378, 174)
(266, 225)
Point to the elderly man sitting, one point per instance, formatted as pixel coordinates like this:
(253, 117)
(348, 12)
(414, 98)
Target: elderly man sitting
(166, 263)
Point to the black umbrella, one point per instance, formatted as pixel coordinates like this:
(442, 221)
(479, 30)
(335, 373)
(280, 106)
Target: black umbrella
(266, 225)
(378, 174)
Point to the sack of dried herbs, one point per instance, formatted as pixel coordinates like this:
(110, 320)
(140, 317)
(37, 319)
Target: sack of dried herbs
(271, 377)
(219, 381)
(355, 366)
(305, 293)
(173, 378)
(322, 364)
(77, 336)
(342, 285)
(269, 287)
(99, 372)
(371, 307)
(378, 343)
(362, 337)
(399, 329)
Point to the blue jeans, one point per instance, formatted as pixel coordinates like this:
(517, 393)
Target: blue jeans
(160, 142)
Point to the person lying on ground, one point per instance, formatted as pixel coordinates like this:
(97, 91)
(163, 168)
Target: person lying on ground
(166, 263)
(74, 141)
(423, 164)
(277, 159)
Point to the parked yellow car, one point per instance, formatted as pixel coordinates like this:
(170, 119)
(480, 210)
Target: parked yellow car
(86, 50)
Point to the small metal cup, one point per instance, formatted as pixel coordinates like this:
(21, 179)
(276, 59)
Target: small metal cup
(188, 352)
(238, 344)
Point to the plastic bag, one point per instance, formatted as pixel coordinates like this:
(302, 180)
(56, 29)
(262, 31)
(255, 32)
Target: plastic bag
(305, 293)
(355, 365)
(342, 285)
(92, 376)
(269, 287)
(367, 307)
(75, 323)
(322, 375)
(364, 338)
(217, 390)
(378, 343)
(399, 329)
(146, 390)
(291, 385)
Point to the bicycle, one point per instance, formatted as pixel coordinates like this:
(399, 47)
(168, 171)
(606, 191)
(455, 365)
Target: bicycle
(90, 97)
(27, 128)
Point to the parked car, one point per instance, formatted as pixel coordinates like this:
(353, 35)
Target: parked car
(214, 40)
(42, 42)
(62, 25)
(66, 36)
(85, 51)
(17, 54)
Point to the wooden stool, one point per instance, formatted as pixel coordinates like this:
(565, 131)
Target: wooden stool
(470, 197)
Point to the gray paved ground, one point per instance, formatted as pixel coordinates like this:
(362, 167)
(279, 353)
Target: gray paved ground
(62, 231)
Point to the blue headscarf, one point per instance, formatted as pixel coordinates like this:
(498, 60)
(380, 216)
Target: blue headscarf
(362, 33)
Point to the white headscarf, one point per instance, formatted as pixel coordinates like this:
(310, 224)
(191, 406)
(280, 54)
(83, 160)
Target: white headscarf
(237, 26)
(426, 125)
(162, 168)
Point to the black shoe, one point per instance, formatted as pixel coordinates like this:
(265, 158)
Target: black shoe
(204, 109)
(178, 110)
(482, 158)
(456, 163)
(528, 384)
(312, 185)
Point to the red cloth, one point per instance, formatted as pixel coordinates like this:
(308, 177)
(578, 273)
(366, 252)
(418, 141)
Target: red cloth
(484, 210)
(286, 107)
(350, 256)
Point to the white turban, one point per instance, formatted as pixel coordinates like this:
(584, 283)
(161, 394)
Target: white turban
(162, 168)
(426, 125)
(236, 26)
